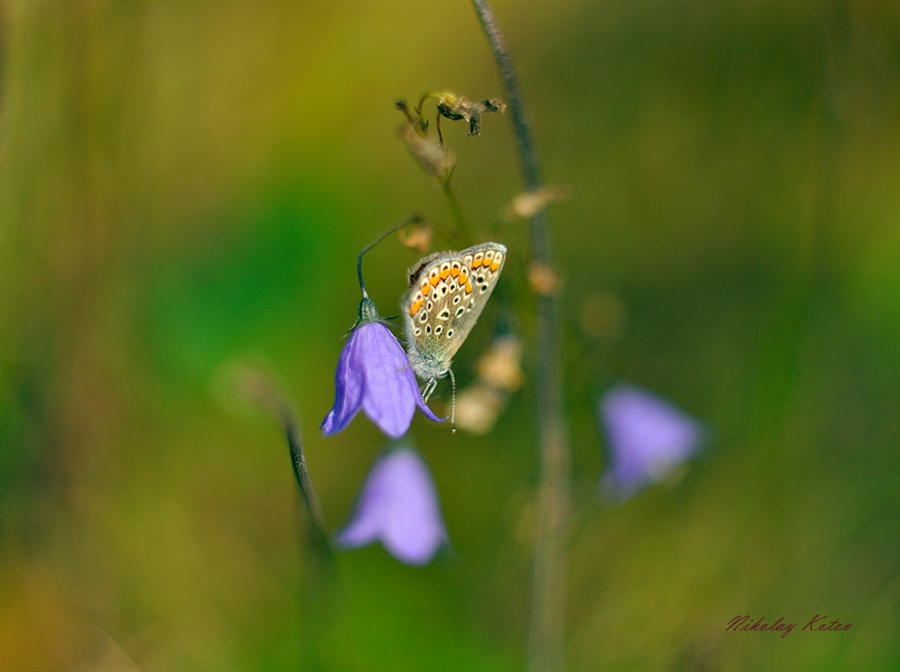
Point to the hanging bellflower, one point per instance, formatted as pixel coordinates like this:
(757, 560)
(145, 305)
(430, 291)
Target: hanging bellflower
(648, 438)
(398, 507)
(374, 375)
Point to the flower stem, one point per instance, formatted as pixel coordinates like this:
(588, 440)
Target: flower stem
(257, 387)
(459, 217)
(307, 491)
(547, 632)
(412, 219)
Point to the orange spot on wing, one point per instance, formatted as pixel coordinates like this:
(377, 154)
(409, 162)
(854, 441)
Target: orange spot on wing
(444, 273)
(468, 288)
(454, 271)
(415, 307)
(476, 262)
(463, 276)
(495, 265)
(434, 280)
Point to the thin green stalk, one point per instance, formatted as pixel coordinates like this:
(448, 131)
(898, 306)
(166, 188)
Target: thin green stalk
(459, 217)
(548, 600)
(307, 491)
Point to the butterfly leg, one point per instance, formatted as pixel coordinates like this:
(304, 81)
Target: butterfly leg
(429, 389)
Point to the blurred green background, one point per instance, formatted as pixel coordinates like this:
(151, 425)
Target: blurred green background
(185, 187)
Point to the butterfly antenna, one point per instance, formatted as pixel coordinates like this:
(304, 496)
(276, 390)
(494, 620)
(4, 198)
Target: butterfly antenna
(452, 402)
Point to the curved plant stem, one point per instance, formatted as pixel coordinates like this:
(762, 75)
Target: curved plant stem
(547, 633)
(412, 219)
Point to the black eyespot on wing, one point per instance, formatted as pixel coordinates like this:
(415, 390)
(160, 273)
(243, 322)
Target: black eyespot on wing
(427, 328)
(438, 329)
(423, 318)
(460, 311)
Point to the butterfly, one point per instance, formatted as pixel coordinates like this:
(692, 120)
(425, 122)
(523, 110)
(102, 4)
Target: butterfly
(447, 292)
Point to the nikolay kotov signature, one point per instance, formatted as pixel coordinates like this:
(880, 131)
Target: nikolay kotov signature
(817, 623)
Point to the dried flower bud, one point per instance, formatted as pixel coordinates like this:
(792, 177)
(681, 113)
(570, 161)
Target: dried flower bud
(434, 159)
(455, 107)
(499, 374)
(500, 366)
(477, 408)
(543, 279)
(530, 203)
(416, 236)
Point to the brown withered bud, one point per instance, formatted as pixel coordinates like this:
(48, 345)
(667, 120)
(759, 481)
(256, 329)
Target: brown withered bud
(501, 366)
(416, 236)
(543, 280)
(455, 107)
(478, 407)
(529, 203)
(499, 373)
(434, 159)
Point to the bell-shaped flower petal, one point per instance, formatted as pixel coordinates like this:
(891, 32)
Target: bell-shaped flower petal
(648, 438)
(398, 507)
(374, 374)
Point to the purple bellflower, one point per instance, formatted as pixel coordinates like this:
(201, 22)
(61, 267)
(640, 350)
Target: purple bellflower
(399, 507)
(648, 438)
(374, 374)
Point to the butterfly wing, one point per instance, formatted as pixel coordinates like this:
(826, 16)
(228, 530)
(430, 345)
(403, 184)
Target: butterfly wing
(447, 293)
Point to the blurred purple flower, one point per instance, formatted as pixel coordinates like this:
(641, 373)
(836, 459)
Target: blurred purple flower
(374, 374)
(648, 438)
(399, 507)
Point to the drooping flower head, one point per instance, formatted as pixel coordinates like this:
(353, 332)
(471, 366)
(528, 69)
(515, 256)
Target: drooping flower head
(399, 507)
(374, 375)
(648, 437)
